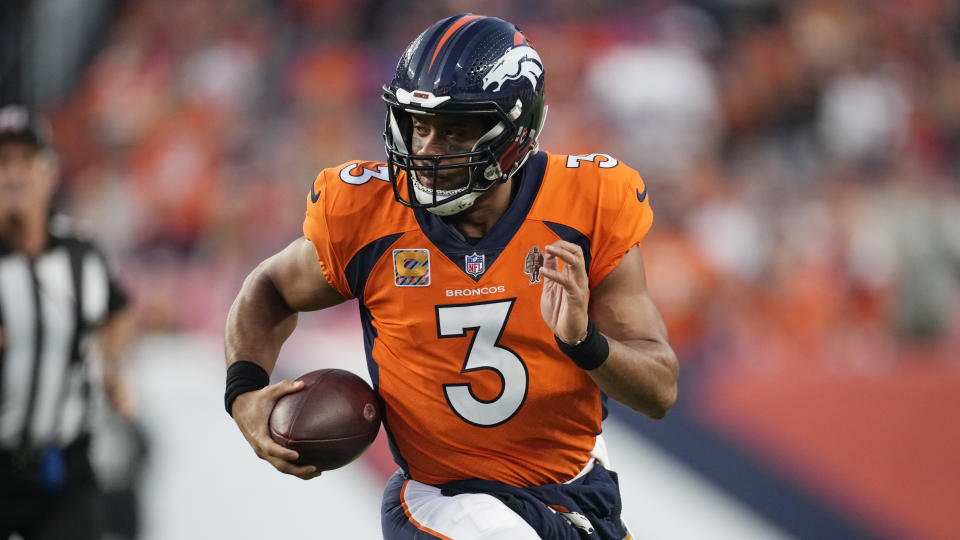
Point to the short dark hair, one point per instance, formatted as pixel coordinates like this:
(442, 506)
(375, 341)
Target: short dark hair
(17, 123)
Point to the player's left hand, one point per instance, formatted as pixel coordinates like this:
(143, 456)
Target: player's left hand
(566, 292)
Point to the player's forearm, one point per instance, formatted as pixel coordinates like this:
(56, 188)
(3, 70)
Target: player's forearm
(641, 374)
(259, 322)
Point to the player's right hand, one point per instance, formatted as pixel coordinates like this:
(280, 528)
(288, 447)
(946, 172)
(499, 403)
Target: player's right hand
(251, 412)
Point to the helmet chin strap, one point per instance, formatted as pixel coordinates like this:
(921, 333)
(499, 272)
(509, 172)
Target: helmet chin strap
(425, 196)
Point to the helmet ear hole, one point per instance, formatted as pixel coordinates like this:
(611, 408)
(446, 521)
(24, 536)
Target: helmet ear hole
(492, 173)
(401, 128)
(492, 132)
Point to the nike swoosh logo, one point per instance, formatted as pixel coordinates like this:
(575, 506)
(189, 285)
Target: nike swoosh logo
(314, 196)
(640, 196)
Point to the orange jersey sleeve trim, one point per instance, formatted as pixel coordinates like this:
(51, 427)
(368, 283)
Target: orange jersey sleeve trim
(316, 230)
(349, 207)
(620, 232)
(602, 199)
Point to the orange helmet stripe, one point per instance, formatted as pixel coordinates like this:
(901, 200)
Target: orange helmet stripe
(446, 35)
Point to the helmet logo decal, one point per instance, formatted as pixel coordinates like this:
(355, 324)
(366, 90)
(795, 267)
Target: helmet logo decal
(518, 62)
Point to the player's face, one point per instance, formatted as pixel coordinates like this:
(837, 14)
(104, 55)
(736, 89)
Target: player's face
(445, 134)
(26, 179)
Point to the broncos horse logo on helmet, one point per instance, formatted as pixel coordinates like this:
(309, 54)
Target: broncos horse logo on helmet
(517, 62)
(464, 64)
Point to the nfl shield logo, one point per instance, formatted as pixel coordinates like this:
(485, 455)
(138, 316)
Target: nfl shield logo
(474, 264)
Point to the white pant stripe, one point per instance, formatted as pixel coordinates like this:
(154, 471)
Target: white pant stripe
(469, 516)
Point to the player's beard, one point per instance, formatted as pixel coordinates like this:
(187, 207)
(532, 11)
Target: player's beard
(446, 180)
(426, 192)
(427, 195)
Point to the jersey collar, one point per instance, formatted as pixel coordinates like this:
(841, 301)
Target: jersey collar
(452, 244)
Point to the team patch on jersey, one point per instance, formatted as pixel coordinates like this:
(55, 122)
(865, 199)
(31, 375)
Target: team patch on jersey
(411, 267)
(532, 264)
(473, 264)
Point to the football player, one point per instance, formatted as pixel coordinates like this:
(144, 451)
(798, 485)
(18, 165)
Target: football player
(502, 298)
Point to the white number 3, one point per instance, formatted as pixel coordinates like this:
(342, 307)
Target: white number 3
(487, 320)
(608, 161)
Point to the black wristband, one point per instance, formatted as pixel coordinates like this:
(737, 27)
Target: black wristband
(590, 353)
(243, 377)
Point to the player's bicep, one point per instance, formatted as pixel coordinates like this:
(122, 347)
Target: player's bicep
(298, 277)
(621, 305)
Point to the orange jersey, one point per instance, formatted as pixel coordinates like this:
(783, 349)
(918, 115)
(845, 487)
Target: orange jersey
(472, 379)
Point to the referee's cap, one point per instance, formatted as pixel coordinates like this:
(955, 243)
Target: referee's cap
(19, 123)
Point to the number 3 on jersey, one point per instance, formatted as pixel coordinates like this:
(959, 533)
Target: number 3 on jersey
(487, 320)
(608, 161)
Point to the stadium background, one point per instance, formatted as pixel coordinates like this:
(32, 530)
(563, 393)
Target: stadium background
(803, 161)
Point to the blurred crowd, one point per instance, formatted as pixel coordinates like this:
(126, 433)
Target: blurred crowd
(803, 158)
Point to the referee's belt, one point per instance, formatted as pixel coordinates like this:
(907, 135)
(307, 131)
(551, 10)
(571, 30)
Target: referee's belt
(46, 468)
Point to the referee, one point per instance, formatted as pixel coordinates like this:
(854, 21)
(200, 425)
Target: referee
(56, 292)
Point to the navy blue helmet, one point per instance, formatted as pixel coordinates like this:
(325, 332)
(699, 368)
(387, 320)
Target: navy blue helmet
(465, 64)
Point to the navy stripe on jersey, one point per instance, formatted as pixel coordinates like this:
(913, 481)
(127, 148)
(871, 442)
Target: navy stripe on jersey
(358, 269)
(452, 244)
(369, 336)
(356, 272)
(574, 236)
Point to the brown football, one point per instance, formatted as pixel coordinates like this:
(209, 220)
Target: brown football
(333, 420)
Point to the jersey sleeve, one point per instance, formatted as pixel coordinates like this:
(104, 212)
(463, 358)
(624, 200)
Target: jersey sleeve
(104, 295)
(117, 296)
(316, 230)
(624, 216)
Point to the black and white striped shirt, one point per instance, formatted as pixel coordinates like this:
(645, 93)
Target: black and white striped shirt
(49, 305)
